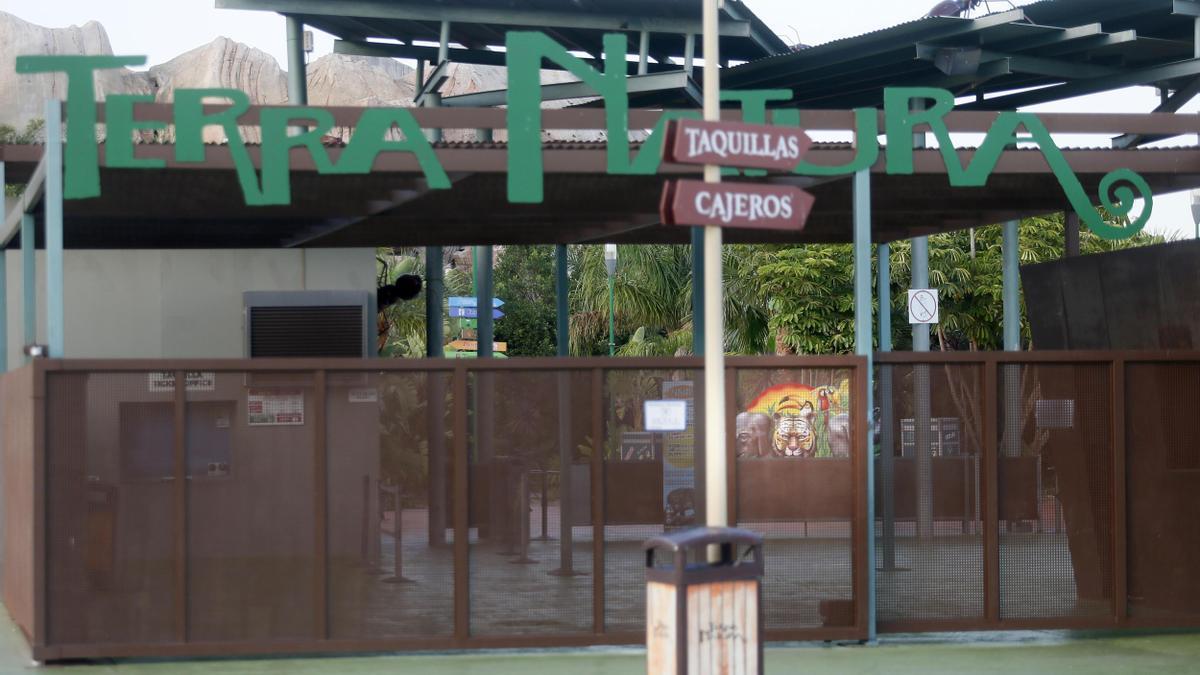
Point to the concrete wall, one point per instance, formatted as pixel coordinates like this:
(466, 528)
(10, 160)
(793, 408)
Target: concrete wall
(173, 304)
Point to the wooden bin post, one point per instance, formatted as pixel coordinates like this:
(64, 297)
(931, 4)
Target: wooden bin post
(702, 617)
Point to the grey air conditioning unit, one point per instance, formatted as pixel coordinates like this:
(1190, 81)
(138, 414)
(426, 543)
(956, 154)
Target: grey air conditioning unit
(309, 324)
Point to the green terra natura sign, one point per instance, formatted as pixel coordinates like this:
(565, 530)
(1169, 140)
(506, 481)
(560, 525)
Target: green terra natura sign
(525, 52)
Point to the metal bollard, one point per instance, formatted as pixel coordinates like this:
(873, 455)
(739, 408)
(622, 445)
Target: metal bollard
(703, 617)
(397, 537)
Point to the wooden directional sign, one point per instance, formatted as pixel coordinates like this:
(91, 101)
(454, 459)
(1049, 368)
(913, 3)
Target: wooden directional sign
(742, 205)
(473, 345)
(751, 146)
(472, 313)
(471, 301)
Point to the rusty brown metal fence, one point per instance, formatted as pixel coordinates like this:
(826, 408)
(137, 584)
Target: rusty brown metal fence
(1050, 490)
(267, 506)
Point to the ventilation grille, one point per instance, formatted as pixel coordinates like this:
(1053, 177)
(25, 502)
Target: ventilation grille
(308, 331)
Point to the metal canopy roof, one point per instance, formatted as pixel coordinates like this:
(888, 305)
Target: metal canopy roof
(200, 205)
(1065, 47)
(479, 26)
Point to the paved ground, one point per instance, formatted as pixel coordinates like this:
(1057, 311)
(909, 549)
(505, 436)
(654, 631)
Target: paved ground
(1027, 653)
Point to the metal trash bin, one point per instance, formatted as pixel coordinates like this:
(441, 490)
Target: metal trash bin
(703, 617)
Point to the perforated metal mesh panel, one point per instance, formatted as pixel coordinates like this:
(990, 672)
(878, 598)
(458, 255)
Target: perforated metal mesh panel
(1162, 463)
(795, 486)
(1055, 490)
(110, 517)
(250, 541)
(518, 584)
(391, 523)
(651, 483)
(929, 542)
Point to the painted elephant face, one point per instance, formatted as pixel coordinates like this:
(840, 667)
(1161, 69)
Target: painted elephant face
(753, 435)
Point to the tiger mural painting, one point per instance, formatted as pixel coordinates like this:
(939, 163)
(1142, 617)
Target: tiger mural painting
(804, 422)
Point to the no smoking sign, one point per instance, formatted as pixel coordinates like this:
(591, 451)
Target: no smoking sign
(923, 306)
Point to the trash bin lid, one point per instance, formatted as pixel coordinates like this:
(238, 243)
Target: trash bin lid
(700, 536)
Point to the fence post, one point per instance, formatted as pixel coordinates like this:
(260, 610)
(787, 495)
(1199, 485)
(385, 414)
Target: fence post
(462, 532)
(991, 503)
(320, 509)
(1120, 508)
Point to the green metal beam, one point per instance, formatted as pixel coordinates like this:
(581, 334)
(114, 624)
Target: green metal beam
(1062, 36)
(638, 84)
(1173, 103)
(823, 57)
(1128, 78)
(434, 83)
(431, 11)
(476, 57)
(1090, 42)
(1186, 8)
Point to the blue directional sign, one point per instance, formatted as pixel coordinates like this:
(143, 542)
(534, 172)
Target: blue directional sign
(471, 301)
(472, 313)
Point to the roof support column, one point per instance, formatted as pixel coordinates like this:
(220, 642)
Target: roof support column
(436, 386)
(55, 313)
(566, 454)
(28, 280)
(3, 280)
(1012, 339)
(643, 53)
(435, 288)
(1009, 289)
(444, 43)
(862, 347)
(689, 53)
(1070, 233)
(483, 299)
(887, 448)
(297, 68)
(922, 435)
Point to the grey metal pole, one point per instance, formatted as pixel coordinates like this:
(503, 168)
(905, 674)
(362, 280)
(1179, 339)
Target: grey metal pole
(922, 421)
(435, 287)
(1009, 287)
(887, 447)
(55, 311)
(643, 53)
(443, 42)
(28, 280)
(297, 68)
(715, 487)
(483, 270)
(1012, 337)
(689, 53)
(566, 455)
(1070, 233)
(3, 280)
(862, 347)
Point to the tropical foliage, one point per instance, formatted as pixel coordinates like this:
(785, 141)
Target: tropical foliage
(778, 299)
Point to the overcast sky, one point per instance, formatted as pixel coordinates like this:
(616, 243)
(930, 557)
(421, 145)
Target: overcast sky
(162, 29)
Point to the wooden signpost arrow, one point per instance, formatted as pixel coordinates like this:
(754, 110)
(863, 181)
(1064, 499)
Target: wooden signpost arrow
(743, 205)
